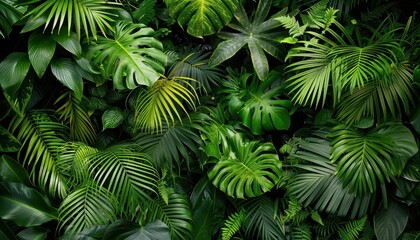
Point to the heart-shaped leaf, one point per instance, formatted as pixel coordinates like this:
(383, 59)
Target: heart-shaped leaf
(390, 223)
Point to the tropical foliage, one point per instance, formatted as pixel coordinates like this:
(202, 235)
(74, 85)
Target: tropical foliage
(221, 119)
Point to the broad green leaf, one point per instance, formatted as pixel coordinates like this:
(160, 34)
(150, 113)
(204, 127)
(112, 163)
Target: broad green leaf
(21, 98)
(41, 49)
(203, 18)
(112, 118)
(131, 57)
(390, 223)
(11, 171)
(123, 229)
(65, 71)
(33, 233)
(246, 169)
(9, 15)
(257, 34)
(13, 70)
(24, 206)
(8, 143)
(6, 232)
(70, 42)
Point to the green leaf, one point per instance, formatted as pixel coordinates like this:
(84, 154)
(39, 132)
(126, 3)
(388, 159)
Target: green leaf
(9, 15)
(246, 169)
(8, 143)
(70, 42)
(416, 74)
(41, 49)
(232, 225)
(123, 229)
(203, 18)
(258, 35)
(5, 232)
(24, 206)
(11, 171)
(390, 223)
(33, 233)
(13, 70)
(21, 98)
(132, 57)
(65, 71)
(112, 118)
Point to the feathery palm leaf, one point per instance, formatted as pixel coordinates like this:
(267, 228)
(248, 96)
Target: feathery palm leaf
(176, 214)
(87, 206)
(259, 220)
(245, 169)
(41, 138)
(171, 145)
(161, 103)
(131, 57)
(316, 182)
(391, 94)
(73, 113)
(126, 173)
(90, 16)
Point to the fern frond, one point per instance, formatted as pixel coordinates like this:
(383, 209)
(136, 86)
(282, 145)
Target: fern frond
(316, 12)
(232, 224)
(330, 227)
(292, 210)
(377, 12)
(295, 30)
(351, 230)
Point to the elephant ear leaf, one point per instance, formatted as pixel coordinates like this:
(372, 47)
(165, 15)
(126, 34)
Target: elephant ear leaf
(202, 17)
(390, 223)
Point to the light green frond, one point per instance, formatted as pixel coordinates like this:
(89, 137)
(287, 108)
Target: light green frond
(73, 113)
(352, 229)
(39, 150)
(232, 225)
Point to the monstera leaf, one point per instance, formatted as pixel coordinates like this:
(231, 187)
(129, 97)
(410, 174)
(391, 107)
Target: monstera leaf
(246, 169)
(258, 106)
(258, 35)
(132, 57)
(202, 17)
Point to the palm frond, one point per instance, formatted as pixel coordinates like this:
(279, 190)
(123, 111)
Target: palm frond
(90, 16)
(145, 12)
(316, 182)
(74, 114)
(125, 172)
(162, 102)
(41, 138)
(232, 225)
(259, 220)
(9, 15)
(176, 214)
(302, 232)
(172, 145)
(87, 206)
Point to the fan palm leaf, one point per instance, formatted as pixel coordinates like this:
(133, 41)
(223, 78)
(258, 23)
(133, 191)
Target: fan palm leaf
(176, 214)
(41, 138)
(162, 102)
(125, 172)
(131, 57)
(89, 16)
(73, 113)
(315, 182)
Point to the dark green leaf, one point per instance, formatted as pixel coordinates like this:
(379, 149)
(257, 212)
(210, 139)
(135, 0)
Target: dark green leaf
(11, 171)
(41, 49)
(21, 98)
(112, 118)
(416, 74)
(8, 143)
(13, 70)
(5, 232)
(24, 206)
(33, 233)
(64, 70)
(390, 223)
(70, 42)
(123, 229)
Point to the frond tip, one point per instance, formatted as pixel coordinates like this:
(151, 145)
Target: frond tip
(232, 225)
